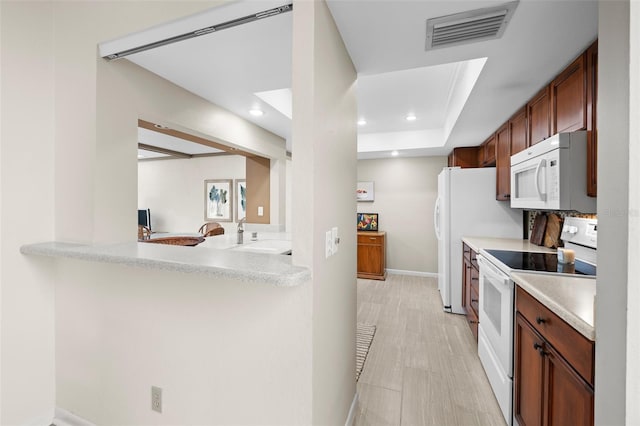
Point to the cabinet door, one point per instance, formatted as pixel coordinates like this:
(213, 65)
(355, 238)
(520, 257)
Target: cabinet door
(370, 259)
(487, 152)
(568, 98)
(592, 132)
(568, 399)
(464, 157)
(528, 370)
(503, 164)
(466, 284)
(518, 131)
(539, 114)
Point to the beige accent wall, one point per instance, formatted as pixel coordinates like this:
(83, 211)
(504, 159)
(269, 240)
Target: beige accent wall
(174, 190)
(258, 171)
(324, 180)
(405, 193)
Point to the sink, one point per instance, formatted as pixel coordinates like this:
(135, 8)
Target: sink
(265, 246)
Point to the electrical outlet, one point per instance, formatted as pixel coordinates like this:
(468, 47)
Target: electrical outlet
(334, 240)
(156, 399)
(328, 245)
(260, 211)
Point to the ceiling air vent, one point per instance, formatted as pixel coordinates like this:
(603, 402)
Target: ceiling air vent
(469, 27)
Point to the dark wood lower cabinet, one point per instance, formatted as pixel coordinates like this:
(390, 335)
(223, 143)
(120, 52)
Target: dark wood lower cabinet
(371, 255)
(528, 374)
(548, 390)
(470, 288)
(570, 398)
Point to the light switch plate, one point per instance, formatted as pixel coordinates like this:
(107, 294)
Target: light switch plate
(328, 250)
(260, 211)
(334, 240)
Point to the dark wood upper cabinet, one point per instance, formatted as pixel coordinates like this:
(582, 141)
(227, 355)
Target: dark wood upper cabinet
(569, 98)
(464, 157)
(539, 114)
(488, 149)
(592, 134)
(518, 131)
(503, 164)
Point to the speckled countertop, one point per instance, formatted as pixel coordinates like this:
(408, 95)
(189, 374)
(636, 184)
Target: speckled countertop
(477, 243)
(271, 269)
(572, 299)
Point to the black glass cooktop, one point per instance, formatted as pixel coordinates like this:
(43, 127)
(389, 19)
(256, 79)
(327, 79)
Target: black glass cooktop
(541, 262)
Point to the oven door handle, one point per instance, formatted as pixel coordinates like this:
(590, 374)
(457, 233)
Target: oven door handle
(489, 270)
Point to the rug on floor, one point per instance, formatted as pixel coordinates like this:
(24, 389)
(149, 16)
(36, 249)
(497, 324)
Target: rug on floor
(364, 337)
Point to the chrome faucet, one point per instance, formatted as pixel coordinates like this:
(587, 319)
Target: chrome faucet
(241, 230)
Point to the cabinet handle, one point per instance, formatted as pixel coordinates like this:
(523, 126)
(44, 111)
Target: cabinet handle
(372, 238)
(474, 279)
(538, 347)
(466, 251)
(473, 322)
(468, 267)
(474, 300)
(506, 195)
(540, 320)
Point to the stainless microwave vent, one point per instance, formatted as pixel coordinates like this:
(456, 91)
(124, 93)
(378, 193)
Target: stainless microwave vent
(469, 27)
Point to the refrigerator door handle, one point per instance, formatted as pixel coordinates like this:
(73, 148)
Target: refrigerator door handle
(436, 218)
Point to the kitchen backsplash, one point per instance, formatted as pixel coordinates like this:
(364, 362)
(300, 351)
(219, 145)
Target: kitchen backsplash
(530, 217)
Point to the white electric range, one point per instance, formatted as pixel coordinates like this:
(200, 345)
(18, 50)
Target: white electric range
(497, 290)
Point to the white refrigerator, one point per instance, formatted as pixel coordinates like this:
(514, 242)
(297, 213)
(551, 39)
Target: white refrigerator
(466, 207)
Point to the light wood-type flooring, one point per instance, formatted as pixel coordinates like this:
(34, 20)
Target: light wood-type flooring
(423, 367)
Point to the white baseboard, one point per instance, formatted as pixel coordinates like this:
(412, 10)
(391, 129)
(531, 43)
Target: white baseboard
(352, 411)
(412, 273)
(67, 418)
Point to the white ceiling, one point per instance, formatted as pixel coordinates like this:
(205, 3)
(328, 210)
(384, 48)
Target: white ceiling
(396, 76)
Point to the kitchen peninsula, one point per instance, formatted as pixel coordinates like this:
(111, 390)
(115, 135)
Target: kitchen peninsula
(225, 262)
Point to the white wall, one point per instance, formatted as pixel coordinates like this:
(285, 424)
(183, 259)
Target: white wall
(174, 189)
(618, 286)
(405, 193)
(323, 187)
(26, 213)
(72, 176)
(223, 352)
(633, 286)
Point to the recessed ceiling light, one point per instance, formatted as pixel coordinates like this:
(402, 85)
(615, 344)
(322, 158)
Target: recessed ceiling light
(411, 117)
(362, 122)
(394, 153)
(256, 112)
(160, 126)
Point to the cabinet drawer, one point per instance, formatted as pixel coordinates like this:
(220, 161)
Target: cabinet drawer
(474, 300)
(474, 259)
(370, 239)
(577, 349)
(466, 251)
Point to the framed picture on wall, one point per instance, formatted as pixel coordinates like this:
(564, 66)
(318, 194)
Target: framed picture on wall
(218, 200)
(368, 221)
(364, 191)
(241, 199)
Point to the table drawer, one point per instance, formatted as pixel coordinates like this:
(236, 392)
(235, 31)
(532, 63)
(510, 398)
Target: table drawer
(370, 239)
(577, 349)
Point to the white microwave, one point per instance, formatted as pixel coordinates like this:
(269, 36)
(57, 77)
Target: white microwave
(552, 175)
